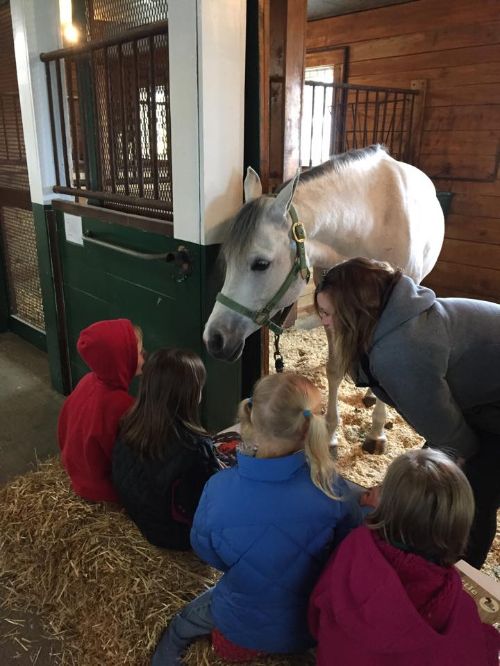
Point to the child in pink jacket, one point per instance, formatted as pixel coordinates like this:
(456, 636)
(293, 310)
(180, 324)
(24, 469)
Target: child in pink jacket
(390, 595)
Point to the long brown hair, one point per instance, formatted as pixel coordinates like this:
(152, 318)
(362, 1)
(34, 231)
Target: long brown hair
(358, 290)
(426, 505)
(169, 395)
(280, 408)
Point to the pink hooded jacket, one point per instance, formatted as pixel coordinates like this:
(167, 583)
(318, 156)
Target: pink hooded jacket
(375, 605)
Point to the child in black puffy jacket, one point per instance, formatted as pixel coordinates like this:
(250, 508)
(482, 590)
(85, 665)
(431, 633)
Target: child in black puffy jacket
(163, 456)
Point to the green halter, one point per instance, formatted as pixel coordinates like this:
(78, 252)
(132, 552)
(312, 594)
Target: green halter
(299, 266)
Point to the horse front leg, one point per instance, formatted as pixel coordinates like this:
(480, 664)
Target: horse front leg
(334, 378)
(369, 398)
(375, 439)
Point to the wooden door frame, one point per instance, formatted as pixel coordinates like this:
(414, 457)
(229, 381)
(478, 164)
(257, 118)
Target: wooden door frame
(282, 34)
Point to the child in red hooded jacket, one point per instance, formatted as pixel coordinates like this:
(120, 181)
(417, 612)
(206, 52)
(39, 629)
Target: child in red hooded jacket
(88, 422)
(390, 595)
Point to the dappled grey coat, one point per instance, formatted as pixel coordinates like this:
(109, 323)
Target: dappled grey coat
(437, 360)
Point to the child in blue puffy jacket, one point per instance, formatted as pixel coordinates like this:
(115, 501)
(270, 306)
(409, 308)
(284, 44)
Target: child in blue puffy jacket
(269, 525)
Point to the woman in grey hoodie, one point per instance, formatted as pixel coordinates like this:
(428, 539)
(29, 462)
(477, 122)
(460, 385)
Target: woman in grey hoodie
(436, 360)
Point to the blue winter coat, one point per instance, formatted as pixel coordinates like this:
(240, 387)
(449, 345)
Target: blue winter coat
(270, 530)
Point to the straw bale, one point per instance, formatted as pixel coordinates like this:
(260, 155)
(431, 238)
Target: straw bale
(88, 572)
(95, 582)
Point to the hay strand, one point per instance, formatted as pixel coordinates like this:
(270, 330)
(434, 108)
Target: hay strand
(97, 585)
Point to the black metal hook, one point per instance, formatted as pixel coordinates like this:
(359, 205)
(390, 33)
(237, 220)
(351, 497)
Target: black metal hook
(182, 261)
(279, 363)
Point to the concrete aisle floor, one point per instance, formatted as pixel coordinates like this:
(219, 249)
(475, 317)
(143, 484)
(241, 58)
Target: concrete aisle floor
(28, 415)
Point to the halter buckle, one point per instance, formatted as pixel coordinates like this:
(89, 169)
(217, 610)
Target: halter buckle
(261, 318)
(298, 232)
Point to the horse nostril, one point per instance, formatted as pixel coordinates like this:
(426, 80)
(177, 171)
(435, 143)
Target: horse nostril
(216, 343)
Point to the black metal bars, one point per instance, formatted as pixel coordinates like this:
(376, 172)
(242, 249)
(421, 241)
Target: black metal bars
(357, 115)
(110, 122)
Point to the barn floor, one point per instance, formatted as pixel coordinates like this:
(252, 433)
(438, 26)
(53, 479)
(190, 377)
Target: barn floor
(28, 416)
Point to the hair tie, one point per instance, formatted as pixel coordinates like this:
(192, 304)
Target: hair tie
(307, 413)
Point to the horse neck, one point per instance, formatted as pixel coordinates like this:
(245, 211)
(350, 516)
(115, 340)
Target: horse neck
(324, 202)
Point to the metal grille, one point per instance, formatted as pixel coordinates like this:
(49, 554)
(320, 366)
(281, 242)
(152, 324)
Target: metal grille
(19, 245)
(342, 117)
(133, 134)
(11, 143)
(13, 169)
(112, 129)
(110, 18)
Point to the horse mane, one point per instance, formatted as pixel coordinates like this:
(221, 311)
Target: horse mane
(244, 224)
(338, 162)
(242, 228)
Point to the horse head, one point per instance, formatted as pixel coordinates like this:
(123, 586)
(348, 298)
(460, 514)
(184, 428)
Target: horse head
(260, 255)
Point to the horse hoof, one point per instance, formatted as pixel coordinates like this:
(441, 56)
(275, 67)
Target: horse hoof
(375, 446)
(369, 400)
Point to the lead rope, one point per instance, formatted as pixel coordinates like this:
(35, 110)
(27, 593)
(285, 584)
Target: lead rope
(279, 364)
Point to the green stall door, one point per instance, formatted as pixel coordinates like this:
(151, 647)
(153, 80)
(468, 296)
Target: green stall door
(171, 308)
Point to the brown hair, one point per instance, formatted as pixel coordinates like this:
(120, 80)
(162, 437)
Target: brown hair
(358, 290)
(426, 505)
(169, 395)
(280, 408)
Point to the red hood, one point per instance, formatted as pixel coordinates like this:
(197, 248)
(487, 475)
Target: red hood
(389, 600)
(109, 348)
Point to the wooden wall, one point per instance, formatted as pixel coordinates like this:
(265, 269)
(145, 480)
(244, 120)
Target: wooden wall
(454, 45)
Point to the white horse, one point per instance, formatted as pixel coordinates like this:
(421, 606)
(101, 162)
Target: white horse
(360, 203)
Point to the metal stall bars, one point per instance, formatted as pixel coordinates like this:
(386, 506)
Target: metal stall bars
(345, 116)
(21, 305)
(110, 120)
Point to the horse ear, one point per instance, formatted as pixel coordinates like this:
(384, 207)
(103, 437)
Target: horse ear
(252, 186)
(285, 196)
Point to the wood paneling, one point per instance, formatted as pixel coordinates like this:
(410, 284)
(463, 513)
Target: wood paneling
(463, 118)
(471, 228)
(460, 143)
(438, 39)
(454, 46)
(419, 16)
(478, 205)
(459, 280)
(450, 58)
(471, 253)
(458, 165)
(487, 72)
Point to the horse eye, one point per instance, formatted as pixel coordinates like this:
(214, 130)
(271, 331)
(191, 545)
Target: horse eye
(260, 265)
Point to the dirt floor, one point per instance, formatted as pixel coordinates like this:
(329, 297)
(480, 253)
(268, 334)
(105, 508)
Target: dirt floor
(305, 351)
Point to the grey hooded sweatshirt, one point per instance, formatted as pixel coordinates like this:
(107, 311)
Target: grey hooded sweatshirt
(437, 361)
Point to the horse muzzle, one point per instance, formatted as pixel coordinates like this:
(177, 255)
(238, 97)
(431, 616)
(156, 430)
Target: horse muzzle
(222, 348)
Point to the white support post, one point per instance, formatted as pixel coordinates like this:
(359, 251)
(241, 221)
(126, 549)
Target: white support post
(207, 79)
(36, 30)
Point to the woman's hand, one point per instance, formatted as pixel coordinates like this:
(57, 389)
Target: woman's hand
(371, 497)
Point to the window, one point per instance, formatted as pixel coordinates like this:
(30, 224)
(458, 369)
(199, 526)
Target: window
(315, 139)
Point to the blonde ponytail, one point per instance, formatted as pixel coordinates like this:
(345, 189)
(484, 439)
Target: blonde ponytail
(279, 415)
(318, 455)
